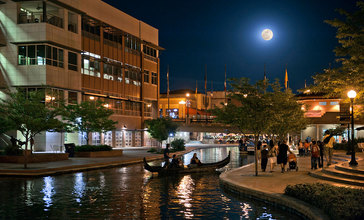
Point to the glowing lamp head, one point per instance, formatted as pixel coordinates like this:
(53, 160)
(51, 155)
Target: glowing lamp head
(92, 98)
(182, 102)
(352, 94)
(187, 94)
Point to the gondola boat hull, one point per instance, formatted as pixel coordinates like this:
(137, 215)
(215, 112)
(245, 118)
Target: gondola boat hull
(205, 167)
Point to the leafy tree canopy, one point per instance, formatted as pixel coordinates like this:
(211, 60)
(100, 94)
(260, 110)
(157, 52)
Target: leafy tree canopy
(160, 128)
(336, 82)
(89, 116)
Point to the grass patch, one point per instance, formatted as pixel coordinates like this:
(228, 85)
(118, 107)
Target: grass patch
(337, 202)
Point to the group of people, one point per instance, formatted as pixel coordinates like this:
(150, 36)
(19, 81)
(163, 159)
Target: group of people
(274, 154)
(317, 150)
(177, 162)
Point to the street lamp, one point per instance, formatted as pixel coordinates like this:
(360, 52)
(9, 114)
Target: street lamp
(187, 95)
(352, 95)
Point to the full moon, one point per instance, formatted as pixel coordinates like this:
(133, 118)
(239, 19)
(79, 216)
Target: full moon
(267, 34)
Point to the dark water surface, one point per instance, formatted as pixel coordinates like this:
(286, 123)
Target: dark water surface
(132, 193)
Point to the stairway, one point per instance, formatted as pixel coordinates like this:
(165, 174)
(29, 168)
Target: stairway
(341, 172)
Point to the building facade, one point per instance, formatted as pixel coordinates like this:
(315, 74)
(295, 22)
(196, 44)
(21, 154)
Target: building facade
(83, 50)
(326, 113)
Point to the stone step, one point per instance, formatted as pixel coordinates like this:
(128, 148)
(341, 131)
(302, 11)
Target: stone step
(340, 173)
(349, 169)
(337, 179)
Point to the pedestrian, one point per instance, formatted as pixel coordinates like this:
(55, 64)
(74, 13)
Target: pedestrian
(166, 156)
(315, 154)
(321, 158)
(329, 141)
(282, 155)
(264, 157)
(272, 155)
(306, 146)
(301, 149)
(259, 147)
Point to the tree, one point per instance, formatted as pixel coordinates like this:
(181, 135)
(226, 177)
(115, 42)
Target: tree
(28, 113)
(286, 113)
(261, 108)
(89, 116)
(161, 128)
(336, 82)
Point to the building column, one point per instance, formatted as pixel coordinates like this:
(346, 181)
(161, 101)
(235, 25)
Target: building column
(317, 132)
(102, 138)
(133, 138)
(123, 140)
(113, 138)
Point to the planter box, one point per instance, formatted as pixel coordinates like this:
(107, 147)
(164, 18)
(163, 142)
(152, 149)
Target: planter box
(112, 153)
(34, 158)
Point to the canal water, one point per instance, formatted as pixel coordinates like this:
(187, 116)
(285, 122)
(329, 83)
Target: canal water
(132, 193)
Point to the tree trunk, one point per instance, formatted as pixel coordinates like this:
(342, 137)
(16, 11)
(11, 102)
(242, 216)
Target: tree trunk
(256, 153)
(25, 151)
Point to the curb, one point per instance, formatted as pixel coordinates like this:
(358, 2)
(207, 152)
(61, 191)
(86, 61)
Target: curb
(288, 203)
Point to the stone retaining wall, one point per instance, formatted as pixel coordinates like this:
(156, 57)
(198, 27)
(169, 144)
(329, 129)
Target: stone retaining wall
(34, 158)
(112, 153)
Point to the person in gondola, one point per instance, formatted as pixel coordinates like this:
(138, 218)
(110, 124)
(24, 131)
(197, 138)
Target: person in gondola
(195, 161)
(175, 163)
(166, 156)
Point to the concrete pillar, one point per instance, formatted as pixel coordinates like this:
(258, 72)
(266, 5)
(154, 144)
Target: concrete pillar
(123, 135)
(102, 138)
(133, 138)
(113, 139)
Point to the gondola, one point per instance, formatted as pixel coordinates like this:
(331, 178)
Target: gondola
(205, 167)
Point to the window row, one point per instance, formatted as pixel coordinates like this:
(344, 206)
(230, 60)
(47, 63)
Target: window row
(40, 55)
(133, 76)
(149, 51)
(132, 42)
(42, 11)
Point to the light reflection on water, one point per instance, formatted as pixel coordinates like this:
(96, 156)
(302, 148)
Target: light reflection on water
(131, 193)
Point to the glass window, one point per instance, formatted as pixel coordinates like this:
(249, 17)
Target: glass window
(48, 55)
(55, 57)
(72, 61)
(154, 78)
(31, 55)
(22, 54)
(322, 103)
(72, 22)
(146, 76)
(72, 97)
(334, 103)
(41, 55)
(60, 58)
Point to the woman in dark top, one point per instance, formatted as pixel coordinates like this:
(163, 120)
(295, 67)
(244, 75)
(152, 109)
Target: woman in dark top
(282, 155)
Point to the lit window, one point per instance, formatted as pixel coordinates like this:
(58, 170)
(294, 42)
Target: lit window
(322, 103)
(334, 103)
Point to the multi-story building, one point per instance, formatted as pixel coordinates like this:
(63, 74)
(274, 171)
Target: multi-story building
(326, 113)
(82, 50)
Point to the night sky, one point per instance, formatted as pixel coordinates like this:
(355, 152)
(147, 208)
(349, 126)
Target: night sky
(215, 32)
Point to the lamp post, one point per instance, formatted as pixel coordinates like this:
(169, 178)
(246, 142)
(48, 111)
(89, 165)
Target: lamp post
(352, 95)
(187, 95)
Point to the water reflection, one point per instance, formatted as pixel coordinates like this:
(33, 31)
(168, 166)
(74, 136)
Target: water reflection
(48, 190)
(79, 187)
(131, 193)
(184, 191)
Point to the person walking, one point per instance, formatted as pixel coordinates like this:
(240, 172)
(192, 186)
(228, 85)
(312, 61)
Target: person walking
(272, 155)
(329, 141)
(282, 155)
(264, 157)
(315, 154)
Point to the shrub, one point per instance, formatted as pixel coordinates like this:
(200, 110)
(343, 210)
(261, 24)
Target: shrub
(13, 150)
(178, 145)
(337, 202)
(152, 150)
(92, 148)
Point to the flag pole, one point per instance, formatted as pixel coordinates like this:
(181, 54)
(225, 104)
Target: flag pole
(168, 90)
(225, 85)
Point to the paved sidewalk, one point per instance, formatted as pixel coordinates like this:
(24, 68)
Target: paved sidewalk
(270, 187)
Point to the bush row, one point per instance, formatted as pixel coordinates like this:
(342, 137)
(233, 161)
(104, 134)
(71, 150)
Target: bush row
(337, 202)
(93, 148)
